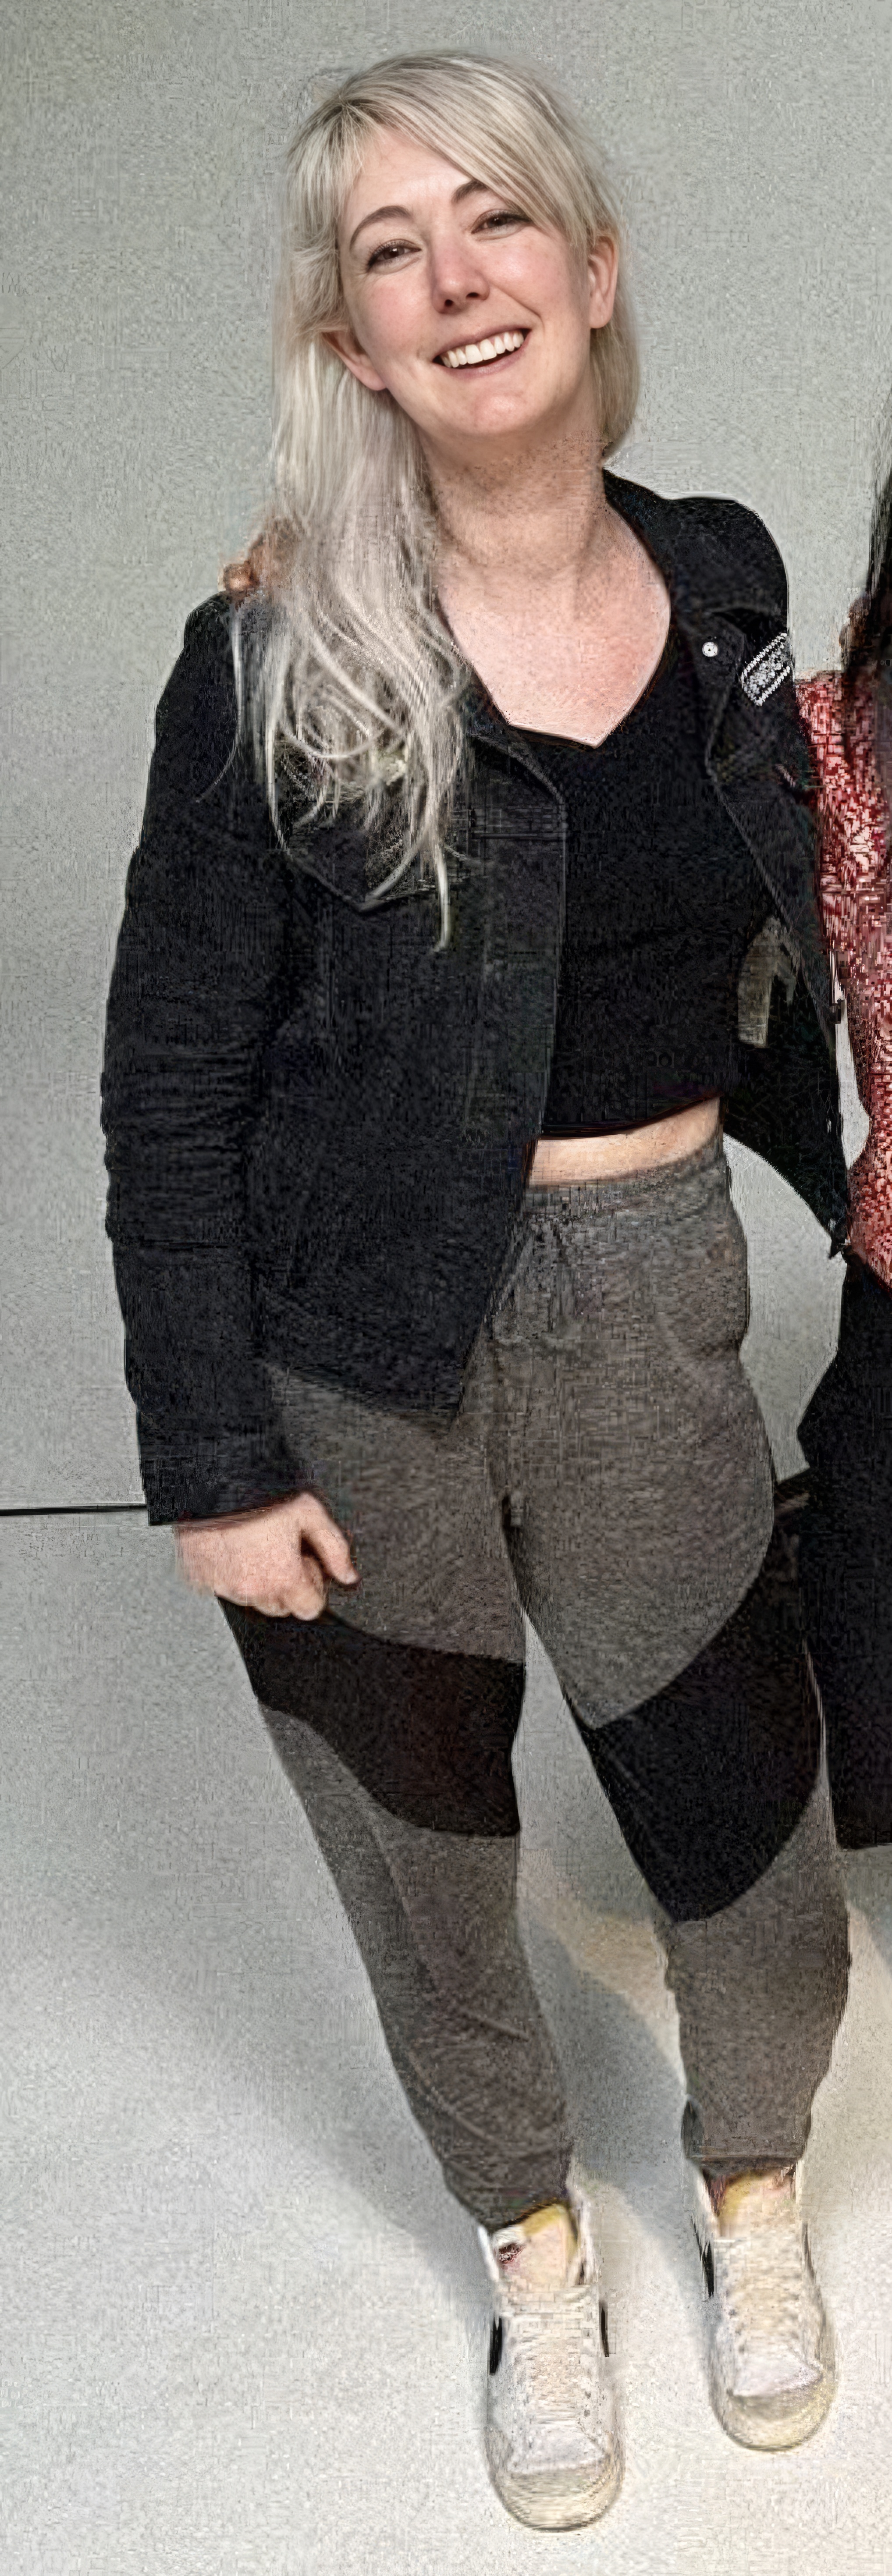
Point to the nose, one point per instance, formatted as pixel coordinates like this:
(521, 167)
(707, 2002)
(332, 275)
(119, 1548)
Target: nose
(456, 274)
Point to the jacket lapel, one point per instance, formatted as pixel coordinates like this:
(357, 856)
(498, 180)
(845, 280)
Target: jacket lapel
(756, 756)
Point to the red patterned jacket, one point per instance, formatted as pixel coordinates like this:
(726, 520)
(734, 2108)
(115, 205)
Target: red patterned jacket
(855, 889)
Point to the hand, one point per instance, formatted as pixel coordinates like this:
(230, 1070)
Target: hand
(280, 1559)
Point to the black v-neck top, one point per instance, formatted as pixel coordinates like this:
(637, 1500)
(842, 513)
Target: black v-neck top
(662, 902)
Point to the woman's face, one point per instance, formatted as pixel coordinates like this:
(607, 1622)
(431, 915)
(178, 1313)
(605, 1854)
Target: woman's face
(436, 268)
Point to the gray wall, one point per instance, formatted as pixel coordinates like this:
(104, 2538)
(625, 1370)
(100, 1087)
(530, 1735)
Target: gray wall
(142, 145)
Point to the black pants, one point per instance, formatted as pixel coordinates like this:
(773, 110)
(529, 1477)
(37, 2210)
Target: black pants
(845, 1559)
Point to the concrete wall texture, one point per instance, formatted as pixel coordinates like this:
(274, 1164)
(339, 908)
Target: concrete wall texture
(142, 146)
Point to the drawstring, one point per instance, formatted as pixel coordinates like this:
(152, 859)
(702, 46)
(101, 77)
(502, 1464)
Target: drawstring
(556, 1263)
(552, 1318)
(547, 1234)
(563, 1322)
(518, 1414)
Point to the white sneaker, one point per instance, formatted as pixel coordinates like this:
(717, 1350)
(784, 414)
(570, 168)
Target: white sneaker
(551, 2435)
(772, 2368)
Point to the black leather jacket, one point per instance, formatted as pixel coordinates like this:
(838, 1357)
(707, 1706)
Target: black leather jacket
(318, 1124)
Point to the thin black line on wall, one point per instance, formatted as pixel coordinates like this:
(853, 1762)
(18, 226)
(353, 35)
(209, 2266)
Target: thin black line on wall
(789, 1494)
(61, 1511)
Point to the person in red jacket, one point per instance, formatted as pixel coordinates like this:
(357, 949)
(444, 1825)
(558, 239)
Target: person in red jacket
(846, 1542)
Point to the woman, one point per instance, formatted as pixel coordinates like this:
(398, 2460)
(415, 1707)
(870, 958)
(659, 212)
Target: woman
(476, 868)
(846, 1542)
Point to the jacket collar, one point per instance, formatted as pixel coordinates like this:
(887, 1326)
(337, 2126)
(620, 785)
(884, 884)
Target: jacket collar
(708, 578)
(705, 572)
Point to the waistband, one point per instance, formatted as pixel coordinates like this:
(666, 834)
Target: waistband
(659, 1183)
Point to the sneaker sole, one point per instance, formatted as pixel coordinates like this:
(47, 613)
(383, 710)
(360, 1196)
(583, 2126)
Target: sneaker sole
(554, 2504)
(768, 2432)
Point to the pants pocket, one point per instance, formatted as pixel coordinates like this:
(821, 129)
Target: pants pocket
(700, 1289)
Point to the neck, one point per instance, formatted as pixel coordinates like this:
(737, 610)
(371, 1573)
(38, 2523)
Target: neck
(536, 515)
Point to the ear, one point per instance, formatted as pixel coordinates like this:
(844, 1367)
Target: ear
(603, 272)
(343, 344)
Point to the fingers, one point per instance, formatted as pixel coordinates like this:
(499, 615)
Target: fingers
(302, 1595)
(279, 1560)
(308, 1591)
(327, 1541)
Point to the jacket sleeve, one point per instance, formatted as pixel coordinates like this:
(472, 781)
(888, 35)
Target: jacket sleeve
(200, 972)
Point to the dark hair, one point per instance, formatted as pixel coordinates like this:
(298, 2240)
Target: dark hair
(867, 647)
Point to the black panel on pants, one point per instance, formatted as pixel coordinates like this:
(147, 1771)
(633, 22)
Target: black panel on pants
(708, 1779)
(428, 1735)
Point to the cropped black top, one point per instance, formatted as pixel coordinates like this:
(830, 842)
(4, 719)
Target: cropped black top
(662, 903)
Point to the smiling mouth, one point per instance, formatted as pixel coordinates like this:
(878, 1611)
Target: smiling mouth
(483, 353)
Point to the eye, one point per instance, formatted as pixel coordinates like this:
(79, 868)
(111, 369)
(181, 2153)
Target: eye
(386, 252)
(503, 215)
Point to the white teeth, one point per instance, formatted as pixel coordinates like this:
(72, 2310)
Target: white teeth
(477, 352)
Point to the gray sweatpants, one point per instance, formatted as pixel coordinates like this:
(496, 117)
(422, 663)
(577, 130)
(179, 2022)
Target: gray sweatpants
(609, 1475)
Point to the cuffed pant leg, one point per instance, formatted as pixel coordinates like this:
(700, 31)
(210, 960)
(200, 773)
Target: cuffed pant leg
(760, 1989)
(719, 1788)
(434, 1918)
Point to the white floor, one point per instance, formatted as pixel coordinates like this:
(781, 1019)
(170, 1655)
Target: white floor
(243, 2326)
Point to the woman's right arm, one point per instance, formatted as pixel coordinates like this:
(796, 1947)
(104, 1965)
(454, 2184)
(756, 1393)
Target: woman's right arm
(203, 962)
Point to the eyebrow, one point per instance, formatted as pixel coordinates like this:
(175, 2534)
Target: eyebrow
(388, 213)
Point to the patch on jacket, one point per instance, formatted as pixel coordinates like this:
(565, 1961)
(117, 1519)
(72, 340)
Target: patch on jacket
(768, 669)
(771, 958)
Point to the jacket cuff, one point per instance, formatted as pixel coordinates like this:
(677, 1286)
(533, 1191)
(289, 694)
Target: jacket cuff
(238, 1471)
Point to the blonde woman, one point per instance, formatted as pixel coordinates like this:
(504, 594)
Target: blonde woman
(476, 873)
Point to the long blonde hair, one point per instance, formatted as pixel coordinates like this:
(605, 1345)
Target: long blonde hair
(349, 680)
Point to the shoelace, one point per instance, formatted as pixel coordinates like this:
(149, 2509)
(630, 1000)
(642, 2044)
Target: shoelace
(767, 2292)
(553, 2352)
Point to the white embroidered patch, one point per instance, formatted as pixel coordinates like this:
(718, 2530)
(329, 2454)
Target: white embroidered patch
(768, 669)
